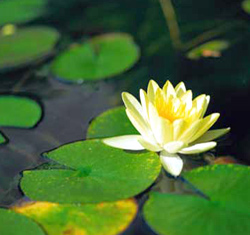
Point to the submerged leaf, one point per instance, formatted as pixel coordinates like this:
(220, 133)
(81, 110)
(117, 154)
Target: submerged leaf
(209, 49)
(26, 46)
(227, 212)
(16, 11)
(101, 57)
(95, 173)
(88, 219)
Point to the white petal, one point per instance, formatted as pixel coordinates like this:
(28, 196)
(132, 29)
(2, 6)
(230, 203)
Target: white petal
(198, 148)
(180, 89)
(211, 135)
(132, 103)
(187, 99)
(205, 125)
(152, 87)
(129, 142)
(161, 127)
(178, 127)
(174, 146)
(205, 105)
(190, 131)
(141, 126)
(199, 104)
(144, 102)
(172, 163)
(150, 146)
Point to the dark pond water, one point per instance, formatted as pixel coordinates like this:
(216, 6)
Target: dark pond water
(69, 108)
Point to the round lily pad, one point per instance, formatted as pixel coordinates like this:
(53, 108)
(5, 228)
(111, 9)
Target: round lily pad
(113, 122)
(19, 111)
(101, 57)
(96, 173)
(88, 219)
(227, 212)
(12, 223)
(16, 11)
(26, 46)
(209, 49)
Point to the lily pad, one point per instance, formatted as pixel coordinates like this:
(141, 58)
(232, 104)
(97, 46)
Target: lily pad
(96, 173)
(246, 6)
(26, 46)
(209, 49)
(16, 11)
(101, 57)
(88, 219)
(19, 111)
(227, 212)
(113, 122)
(13, 223)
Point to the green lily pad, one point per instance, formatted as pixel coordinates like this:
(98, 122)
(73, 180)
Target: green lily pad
(113, 122)
(19, 111)
(227, 212)
(209, 49)
(246, 6)
(26, 46)
(101, 57)
(12, 223)
(16, 11)
(96, 173)
(88, 219)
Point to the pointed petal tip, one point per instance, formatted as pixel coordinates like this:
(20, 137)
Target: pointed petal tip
(172, 163)
(128, 142)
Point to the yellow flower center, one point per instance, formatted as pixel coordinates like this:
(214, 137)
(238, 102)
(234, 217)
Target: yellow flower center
(171, 108)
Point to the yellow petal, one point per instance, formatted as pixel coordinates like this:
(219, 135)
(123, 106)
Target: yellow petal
(161, 127)
(152, 87)
(180, 89)
(169, 90)
(206, 123)
(211, 135)
(174, 146)
(198, 148)
(129, 142)
(172, 163)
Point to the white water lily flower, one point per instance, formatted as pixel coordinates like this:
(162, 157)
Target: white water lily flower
(169, 122)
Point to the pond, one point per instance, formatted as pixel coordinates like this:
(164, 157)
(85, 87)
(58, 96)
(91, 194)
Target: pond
(63, 68)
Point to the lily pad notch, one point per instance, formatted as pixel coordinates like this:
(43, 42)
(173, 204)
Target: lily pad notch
(226, 213)
(100, 57)
(91, 166)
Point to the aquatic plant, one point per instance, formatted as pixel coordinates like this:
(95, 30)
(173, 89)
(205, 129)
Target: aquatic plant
(169, 122)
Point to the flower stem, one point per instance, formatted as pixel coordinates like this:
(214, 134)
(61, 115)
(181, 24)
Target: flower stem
(170, 16)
